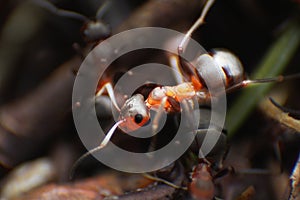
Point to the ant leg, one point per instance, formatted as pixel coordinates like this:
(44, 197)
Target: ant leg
(187, 69)
(223, 172)
(154, 178)
(196, 25)
(247, 82)
(60, 12)
(171, 173)
(98, 148)
(155, 123)
(102, 9)
(202, 157)
(108, 87)
(175, 63)
(220, 146)
(159, 114)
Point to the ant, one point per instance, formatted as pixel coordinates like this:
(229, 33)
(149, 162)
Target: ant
(135, 112)
(202, 186)
(92, 30)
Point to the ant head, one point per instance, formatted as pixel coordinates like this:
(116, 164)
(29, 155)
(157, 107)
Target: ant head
(95, 31)
(202, 186)
(134, 113)
(231, 66)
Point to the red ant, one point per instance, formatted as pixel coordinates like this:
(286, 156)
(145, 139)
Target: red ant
(91, 30)
(135, 112)
(202, 186)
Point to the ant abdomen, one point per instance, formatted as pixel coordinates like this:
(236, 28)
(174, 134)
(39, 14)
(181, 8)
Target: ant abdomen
(231, 66)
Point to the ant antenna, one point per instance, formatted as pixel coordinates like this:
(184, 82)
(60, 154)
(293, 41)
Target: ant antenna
(102, 145)
(102, 9)
(60, 12)
(247, 82)
(196, 25)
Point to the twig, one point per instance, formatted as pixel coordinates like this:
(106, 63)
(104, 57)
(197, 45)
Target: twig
(276, 113)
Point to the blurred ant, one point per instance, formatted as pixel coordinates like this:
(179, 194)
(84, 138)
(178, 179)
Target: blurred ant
(135, 112)
(92, 30)
(201, 181)
(202, 185)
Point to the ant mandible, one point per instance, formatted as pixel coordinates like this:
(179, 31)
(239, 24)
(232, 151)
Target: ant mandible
(135, 112)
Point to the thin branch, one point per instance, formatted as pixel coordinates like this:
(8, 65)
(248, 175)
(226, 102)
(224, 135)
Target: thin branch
(277, 114)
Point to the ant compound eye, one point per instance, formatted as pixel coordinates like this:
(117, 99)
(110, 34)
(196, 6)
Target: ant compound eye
(134, 112)
(138, 118)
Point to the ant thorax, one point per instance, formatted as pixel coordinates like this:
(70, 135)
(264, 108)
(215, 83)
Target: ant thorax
(177, 93)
